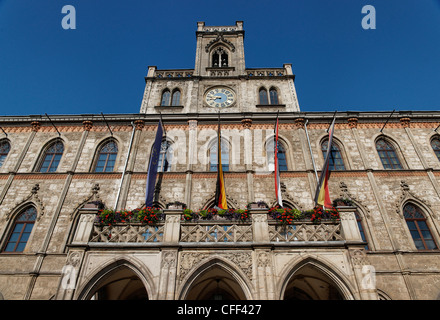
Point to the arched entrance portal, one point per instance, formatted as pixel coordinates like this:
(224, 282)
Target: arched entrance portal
(215, 283)
(310, 283)
(119, 284)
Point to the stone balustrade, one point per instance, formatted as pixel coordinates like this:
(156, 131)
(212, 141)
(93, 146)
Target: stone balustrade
(259, 229)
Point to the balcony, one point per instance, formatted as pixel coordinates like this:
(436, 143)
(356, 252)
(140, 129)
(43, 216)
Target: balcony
(259, 229)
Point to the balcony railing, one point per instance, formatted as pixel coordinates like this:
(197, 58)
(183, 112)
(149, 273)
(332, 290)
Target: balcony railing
(259, 229)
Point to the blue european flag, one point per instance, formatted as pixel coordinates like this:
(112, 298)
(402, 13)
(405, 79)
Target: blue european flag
(152, 166)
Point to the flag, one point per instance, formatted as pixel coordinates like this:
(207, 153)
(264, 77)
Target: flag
(277, 170)
(322, 195)
(220, 191)
(152, 166)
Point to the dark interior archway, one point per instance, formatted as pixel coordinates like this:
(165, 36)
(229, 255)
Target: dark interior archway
(121, 283)
(215, 283)
(310, 283)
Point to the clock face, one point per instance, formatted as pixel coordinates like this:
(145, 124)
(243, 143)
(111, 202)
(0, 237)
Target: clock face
(220, 97)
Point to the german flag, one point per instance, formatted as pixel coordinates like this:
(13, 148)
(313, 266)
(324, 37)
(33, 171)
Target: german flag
(220, 191)
(322, 195)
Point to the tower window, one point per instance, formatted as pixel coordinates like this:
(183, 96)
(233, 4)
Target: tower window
(176, 98)
(273, 96)
(220, 58)
(263, 96)
(165, 101)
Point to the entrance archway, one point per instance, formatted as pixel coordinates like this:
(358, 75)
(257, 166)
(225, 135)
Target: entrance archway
(215, 283)
(121, 283)
(310, 283)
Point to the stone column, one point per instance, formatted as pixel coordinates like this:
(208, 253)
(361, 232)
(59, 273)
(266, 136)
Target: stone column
(349, 227)
(70, 271)
(260, 227)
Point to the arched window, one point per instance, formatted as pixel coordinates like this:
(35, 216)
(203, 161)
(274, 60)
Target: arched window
(219, 58)
(387, 155)
(213, 160)
(176, 98)
(165, 156)
(263, 96)
(273, 96)
(106, 157)
(51, 157)
(21, 230)
(270, 150)
(5, 147)
(335, 162)
(418, 227)
(435, 144)
(166, 95)
(361, 228)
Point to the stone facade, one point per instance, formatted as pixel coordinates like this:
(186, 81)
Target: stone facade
(69, 256)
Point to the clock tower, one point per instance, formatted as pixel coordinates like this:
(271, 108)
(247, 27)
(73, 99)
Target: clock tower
(219, 81)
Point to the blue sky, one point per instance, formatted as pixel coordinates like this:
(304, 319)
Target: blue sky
(100, 66)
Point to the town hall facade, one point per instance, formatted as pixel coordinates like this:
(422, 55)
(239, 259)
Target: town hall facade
(59, 172)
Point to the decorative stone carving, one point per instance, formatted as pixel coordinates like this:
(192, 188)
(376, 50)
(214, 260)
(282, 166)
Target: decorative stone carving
(299, 122)
(35, 126)
(358, 257)
(139, 124)
(32, 197)
(352, 122)
(87, 125)
(405, 122)
(168, 259)
(246, 123)
(74, 258)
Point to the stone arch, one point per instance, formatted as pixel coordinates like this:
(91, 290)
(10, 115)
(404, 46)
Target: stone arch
(127, 269)
(320, 273)
(215, 275)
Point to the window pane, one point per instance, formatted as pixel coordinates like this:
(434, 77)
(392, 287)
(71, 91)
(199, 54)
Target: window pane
(263, 96)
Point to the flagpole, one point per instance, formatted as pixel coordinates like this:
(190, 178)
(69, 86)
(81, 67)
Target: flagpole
(387, 121)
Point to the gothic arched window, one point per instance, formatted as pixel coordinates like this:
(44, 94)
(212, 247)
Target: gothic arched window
(213, 160)
(418, 227)
(335, 162)
(273, 94)
(387, 155)
(435, 144)
(166, 95)
(165, 156)
(220, 58)
(106, 157)
(270, 151)
(263, 96)
(5, 147)
(21, 230)
(176, 98)
(51, 157)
